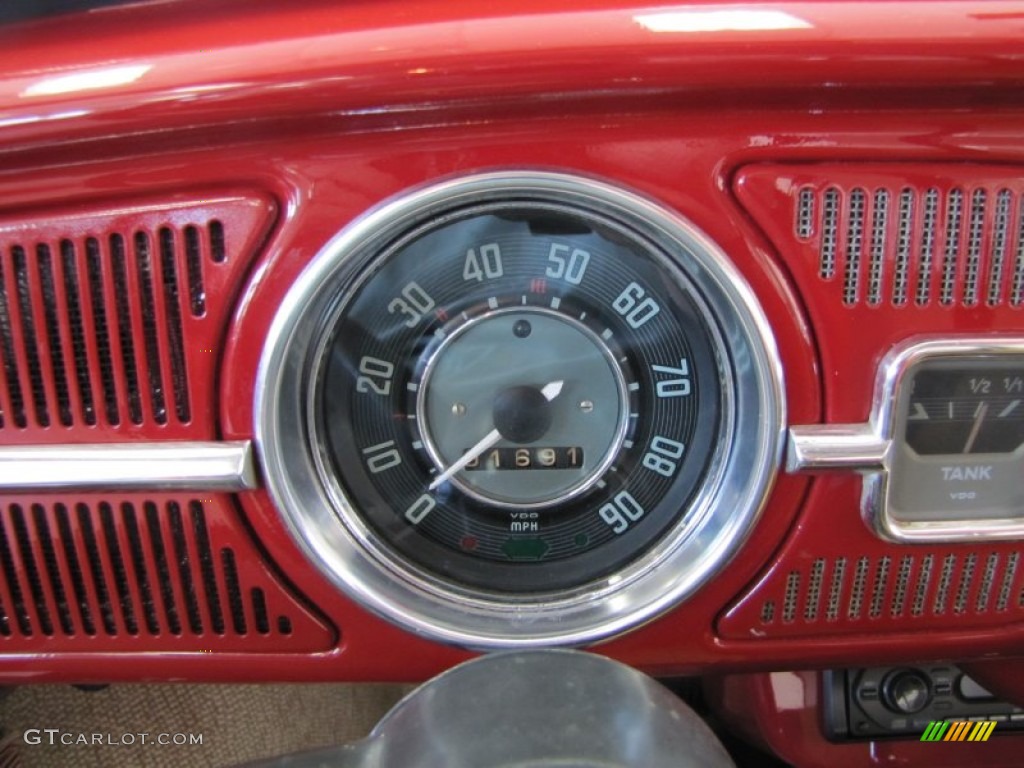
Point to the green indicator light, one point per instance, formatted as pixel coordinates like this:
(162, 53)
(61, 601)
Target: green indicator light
(525, 549)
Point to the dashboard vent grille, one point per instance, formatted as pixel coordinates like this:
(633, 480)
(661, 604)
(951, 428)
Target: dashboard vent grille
(953, 589)
(833, 576)
(950, 245)
(110, 318)
(154, 571)
(896, 236)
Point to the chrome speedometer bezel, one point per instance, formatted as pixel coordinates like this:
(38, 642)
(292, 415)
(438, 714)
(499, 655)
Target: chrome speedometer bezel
(338, 541)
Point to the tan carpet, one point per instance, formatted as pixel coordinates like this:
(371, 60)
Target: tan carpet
(236, 723)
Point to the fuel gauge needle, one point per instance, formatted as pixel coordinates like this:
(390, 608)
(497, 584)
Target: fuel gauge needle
(550, 392)
(979, 416)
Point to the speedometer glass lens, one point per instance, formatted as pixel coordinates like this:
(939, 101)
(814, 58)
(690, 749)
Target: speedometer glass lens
(519, 408)
(521, 397)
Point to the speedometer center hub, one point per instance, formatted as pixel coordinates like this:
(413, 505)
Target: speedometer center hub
(522, 414)
(486, 377)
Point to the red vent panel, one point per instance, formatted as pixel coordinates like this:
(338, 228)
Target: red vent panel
(111, 318)
(834, 577)
(141, 572)
(882, 252)
(955, 237)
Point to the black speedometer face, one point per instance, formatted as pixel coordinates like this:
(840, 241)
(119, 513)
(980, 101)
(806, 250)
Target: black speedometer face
(519, 408)
(520, 397)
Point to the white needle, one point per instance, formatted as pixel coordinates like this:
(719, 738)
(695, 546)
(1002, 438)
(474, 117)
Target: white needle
(979, 416)
(550, 392)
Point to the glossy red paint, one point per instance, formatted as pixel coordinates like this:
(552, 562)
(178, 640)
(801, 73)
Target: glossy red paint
(319, 58)
(321, 111)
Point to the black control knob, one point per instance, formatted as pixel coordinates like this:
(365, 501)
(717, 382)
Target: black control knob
(906, 691)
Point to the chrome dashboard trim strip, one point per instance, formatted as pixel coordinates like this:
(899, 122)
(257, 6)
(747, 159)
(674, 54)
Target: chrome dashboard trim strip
(868, 448)
(164, 466)
(831, 447)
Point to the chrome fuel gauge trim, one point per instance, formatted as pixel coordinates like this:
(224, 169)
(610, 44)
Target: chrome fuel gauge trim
(876, 449)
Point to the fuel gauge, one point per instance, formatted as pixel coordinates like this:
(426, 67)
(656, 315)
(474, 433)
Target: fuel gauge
(942, 452)
(958, 448)
(955, 410)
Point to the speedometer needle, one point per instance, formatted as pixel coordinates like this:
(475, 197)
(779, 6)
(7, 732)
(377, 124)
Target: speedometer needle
(550, 392)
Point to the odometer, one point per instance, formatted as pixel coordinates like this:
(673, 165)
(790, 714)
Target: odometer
(520, 391)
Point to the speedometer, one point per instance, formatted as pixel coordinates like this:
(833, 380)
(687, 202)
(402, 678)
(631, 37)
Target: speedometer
(531, 388)
(519, 409)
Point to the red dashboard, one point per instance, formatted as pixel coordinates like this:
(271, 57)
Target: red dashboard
(169, 170)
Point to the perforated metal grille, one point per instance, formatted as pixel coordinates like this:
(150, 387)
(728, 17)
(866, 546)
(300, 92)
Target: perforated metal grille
(151, 569)
(835, 594)
(854, 246)
(805, 214)
(931, 588)
(951, 245)
(814, 590)
(860, 578)
(829, 233)
(110, 318)
(62, 296)
(879, 588)
(792, 594)
(899, 596)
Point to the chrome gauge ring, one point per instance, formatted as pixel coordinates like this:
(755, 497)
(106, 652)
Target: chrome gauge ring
(519, 409)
